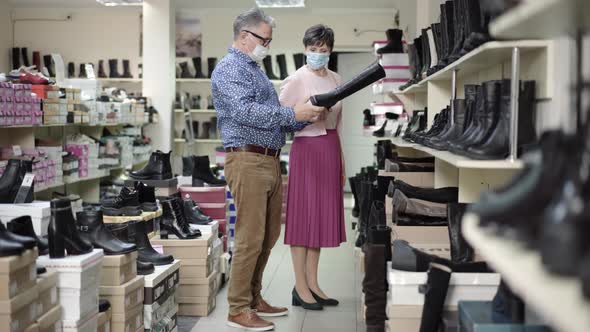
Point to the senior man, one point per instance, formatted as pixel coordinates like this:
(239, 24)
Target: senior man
(253, 126)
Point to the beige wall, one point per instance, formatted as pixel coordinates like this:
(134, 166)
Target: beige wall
(5, 36)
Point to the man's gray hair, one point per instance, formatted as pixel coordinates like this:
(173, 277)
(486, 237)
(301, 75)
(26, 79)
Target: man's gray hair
(251, 18)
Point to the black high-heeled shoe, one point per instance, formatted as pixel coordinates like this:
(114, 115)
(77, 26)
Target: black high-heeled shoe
(298, 302)
(322, 301)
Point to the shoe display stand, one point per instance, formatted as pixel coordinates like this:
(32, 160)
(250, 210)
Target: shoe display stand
(145, 216)
(160, 308)
(78, 284)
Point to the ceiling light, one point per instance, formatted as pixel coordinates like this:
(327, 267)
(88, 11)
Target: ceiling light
(112, 3)
(280, 3)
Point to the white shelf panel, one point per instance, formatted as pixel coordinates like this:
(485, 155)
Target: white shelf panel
(397, 141)
(523, 270)
(542, 19)
(420, 87)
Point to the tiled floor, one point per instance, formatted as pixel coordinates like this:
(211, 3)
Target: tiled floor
(339, 278)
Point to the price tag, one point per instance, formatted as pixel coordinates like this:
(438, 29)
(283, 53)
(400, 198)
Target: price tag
(17, 151)
(26, 189)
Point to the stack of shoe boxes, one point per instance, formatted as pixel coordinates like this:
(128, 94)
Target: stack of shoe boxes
(160, 308)
(80, 151)
(18, 291)
(78, 283)
(198, 278)
(18, 105)
(48, 308)
(212, 201)
(121, 286)
(54, 154)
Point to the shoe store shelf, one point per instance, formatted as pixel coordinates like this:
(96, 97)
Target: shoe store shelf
(102, 173)
(397, 141)
(75, 125)
(196, 111)
(208, 80)
(420, 87)
(483, 57)
(557, 299)
(120, 80)
(542, 19)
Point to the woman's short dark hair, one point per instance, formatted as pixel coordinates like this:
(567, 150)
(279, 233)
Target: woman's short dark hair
(317, 35)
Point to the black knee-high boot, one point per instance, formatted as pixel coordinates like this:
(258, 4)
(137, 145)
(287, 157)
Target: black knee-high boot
(435, 294)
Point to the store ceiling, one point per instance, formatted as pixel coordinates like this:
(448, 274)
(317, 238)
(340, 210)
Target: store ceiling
(207, 3)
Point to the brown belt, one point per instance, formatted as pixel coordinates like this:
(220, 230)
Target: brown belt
(255, 149)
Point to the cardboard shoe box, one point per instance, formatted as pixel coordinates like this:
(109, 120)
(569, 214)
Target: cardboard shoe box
(118, 269)
(131, 320)
(158, 284)
(78, 303)
(75, 271)
(47, 286)
(407, 318)
(197, 287)
(199, 306)
(125, 296)
(51, 320)
(104, 321)
(17, 274)
(155, 312)
(20, 312)
(187, 249)
(89, 324)
(202, 267)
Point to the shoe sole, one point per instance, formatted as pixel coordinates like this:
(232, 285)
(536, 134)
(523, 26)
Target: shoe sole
(276, 314)
(128, 211)
(238, 326)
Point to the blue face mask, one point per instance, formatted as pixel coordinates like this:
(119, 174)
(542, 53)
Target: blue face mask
(317, 60)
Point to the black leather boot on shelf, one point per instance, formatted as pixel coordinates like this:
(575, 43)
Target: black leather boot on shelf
(37, 60)
(198, 68)
(9, 247)
(158, 168)
(461, 251)
(126, 69)
(93, 230)
(137, 231)
(439, 195)
(206, 133)
(184, 72)
(124, 204)
(62, 232)
(16, 58)
(369, 119)
(145, 268)
(71, 70)
(375, 287)
(455, 130)
(202, 173)
(267, 63)
(48, 63)
(394, 42)
(475, 107)
(366, 195)
(367, 77)
(9, 182)
(299, 60)
(24, 226)
(448, 32)
(101, 72)
(25, 56)
(82, 71)
(187, 166)
(437, 36)
(147, 197)
(193, 214)
(412, 66)
(476, 26)
(459, 33)
(435, 294)
(425, 53)
(282, 62)
(353, 189)
(26, 241)
(379, 232)
(384, 151)
(211, 62)
(113, 68)
(381, 131)
(173, 221)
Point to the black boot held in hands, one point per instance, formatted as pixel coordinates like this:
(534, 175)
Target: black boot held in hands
(173, 221)
(62, 232)
(24, 226)
(202, 173)
(125, 204)
(367, 77)
(137, 233)
(435, 294)
(157, 168)
(93, 230)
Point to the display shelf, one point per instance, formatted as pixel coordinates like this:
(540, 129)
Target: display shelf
(120, 80)
(74, 125)
(399, 142)
(208, 80)
(196, 111)
(464, 162)
(523, 270)
(542, 19)
(483, 57)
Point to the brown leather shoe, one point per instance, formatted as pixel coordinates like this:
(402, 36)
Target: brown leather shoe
(263, 309)
(249, 320)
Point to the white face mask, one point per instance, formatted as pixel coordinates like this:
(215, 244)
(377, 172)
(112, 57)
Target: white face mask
(259, 53)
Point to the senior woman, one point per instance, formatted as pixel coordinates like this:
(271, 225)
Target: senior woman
(315, 207)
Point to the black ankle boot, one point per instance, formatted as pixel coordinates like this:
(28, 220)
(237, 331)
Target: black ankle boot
(461, 251)
(394, 42)
(369, 119)
(16, 58)
(267, 62)
(82, 71)
(202, 173)
(211, 62)
(92, 230)
(173, 221)
(282, 62)
(435, 294)
(198, 68)
(62, 232)
(193, 214)
(124, 204)
(355, 209)
(26, 241)
(8, 246)
(205, 134)
(158, 168)
(71, 70)
(299, 60)
(367, 77)
(101, 72)
(459, 16)
(126, 69)
(113, 68)
(187, 166)
(137, 233)
(48, 63)
(381, 131)
(147, 197)
(184, 72)
(144, 268)
(9, 182)
(384, 151)
(25, 56)
(24, 226)
(379, 232)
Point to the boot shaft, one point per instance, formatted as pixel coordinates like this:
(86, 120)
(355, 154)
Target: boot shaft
(101, 72)
(282, 62)
(198, 67)
(82, 71)
(145, 193)
(211, 62)
(16, 58)
(299, 60)
(37, 60)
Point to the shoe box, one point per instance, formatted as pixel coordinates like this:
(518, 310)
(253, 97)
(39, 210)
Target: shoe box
(214, 210)
(104, 321)
(476, 316)
(131, 320)
(156, 312)
(166, 324)
(39, 211)
(89, 324)
(164, 188)
(118, 269)
(47, 286)
(19, 312)
(404, 287)
(407, 318)
(123, 297)
(425, 236)
(188, 248)
(204, 194)
(196, 296)
(77, 287)
(198, 306)
(17, 274)
(212, 227)
(160, 295)
(51, 320)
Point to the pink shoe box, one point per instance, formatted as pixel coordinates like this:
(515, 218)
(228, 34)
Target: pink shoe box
(214, 210)
(78, 150)
(18, 120)
(222, 226)
(37, 119)
(83, 163)
(9, 108)
(202, 195)
(82, 173)
(6, 91)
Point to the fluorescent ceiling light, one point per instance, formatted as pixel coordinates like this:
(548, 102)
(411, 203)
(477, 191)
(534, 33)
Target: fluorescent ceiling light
(112, 3)
(280, 3)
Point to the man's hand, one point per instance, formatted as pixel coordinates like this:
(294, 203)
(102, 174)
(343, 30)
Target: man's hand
(308, 112)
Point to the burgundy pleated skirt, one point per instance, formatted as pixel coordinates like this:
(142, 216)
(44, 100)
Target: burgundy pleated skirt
(315, 202)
